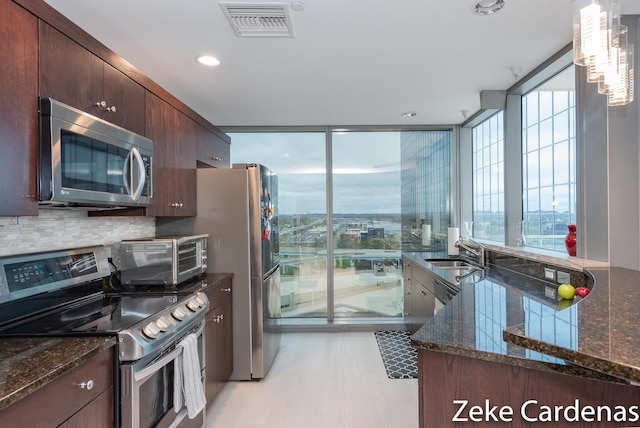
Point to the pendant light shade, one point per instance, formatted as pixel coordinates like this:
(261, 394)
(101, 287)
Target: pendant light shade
(621, 91)
(590, 19)
(600, 44)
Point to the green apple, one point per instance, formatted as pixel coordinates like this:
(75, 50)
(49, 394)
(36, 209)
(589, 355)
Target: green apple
(566, 291)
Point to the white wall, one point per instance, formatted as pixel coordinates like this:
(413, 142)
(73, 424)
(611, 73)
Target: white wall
(59, 229)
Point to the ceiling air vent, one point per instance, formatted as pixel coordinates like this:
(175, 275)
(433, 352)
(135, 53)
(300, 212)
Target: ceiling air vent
(259, 19)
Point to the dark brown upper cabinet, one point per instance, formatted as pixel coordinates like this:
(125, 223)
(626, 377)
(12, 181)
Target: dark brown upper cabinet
(18, 111)
(174, 151)
(73, 75)
(212, 150)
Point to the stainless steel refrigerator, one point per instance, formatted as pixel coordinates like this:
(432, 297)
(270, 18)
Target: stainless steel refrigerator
(238, 208)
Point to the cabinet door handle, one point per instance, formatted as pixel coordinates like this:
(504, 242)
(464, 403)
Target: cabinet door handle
(88, 385)
(422, 293)
(216, 158)
(176, 205)
(103, 104)
(226, 290)
(218, 318)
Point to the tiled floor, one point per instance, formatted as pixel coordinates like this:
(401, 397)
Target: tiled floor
(320, 380)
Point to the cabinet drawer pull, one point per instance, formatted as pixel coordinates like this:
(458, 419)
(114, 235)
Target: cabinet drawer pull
(218, 318)
(216, 158)
(102, 104)
(422, 293)
(111, 109)
(226, 290)
(176, 205)
(88, 385)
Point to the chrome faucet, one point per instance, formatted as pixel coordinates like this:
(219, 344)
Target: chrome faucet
(473, 272)
(478, 252)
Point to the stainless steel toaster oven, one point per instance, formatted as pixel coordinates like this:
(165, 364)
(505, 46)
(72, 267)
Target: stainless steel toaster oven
(166, 260)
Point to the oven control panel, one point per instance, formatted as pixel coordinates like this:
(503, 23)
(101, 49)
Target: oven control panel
(160, 329)
(30, 274)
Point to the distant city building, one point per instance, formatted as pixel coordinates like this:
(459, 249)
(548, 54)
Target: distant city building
(372, 232)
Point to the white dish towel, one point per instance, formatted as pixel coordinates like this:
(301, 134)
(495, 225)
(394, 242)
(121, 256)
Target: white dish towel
(187, 385)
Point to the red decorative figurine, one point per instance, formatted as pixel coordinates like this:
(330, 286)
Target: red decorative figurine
(570, 240)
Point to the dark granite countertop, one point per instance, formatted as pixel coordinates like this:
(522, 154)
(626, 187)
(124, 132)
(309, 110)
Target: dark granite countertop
(28, 363)
(209, 280)
(600, 332)
(191, 286)
(507, 317)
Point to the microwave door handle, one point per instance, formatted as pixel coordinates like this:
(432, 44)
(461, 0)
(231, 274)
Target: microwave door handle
(141, 174)
(126, 173)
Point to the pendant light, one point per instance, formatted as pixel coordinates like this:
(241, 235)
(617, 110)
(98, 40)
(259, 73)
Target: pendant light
(600, 43)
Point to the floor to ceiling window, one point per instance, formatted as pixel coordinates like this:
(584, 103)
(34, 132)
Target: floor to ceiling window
(299, 160)
(549, 161)
(346, 263)
(367, 277)
(488, 178)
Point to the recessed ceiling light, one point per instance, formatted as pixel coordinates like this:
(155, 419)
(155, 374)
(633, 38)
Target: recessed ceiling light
(487, 7)
(408, 114)
(208, 60)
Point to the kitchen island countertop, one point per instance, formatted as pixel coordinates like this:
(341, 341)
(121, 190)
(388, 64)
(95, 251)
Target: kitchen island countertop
(505, 317)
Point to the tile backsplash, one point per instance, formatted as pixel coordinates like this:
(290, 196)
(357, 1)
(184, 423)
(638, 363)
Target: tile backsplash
(60, 229)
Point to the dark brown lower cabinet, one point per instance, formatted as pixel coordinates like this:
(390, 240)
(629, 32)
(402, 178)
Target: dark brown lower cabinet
(99, 411)
(458, 391)
(65, 403)
(219, 338)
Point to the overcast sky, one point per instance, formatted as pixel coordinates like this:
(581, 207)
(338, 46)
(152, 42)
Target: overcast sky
(366, 166)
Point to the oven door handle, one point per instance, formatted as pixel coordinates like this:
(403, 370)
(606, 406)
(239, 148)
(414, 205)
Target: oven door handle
(149, 370)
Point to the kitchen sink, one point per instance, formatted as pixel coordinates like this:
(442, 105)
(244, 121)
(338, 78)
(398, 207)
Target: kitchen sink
(451, 264)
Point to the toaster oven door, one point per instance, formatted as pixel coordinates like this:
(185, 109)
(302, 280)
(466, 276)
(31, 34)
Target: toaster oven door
(147, 263)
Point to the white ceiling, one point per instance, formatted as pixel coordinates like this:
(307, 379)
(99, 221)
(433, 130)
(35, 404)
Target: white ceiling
(351, 62)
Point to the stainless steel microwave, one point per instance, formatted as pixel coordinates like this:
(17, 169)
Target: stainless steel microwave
(167, 260)
(88, 162)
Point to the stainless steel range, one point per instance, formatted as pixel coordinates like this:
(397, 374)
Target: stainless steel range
(61, 294)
